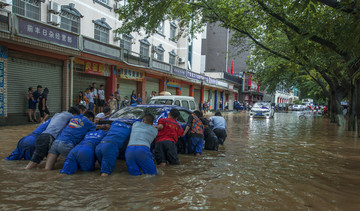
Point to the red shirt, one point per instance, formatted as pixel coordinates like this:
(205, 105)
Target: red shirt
(171, 131)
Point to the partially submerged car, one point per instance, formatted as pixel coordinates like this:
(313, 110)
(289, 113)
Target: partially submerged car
(131, 114)
(262, 109)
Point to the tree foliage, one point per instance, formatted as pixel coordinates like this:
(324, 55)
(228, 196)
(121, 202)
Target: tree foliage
(291, 39)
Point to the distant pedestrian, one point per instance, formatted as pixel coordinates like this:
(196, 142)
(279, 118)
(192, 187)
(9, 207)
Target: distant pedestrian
(221, 104)
(96, 97)
(31, 105)
(112, 103)
(101, 94)
(133, 98)
(44, 111)
(118, 100)
(125, 102)
(36, 96)
(92, 99)
(139, 99)
(82, 99)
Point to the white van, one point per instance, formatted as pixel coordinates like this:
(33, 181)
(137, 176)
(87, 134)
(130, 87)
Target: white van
(183, 101)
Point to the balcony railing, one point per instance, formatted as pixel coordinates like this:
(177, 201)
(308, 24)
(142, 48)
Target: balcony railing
(132, 57)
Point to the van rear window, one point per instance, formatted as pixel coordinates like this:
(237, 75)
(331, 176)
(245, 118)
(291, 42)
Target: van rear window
(161, 102)
(192, 105)
(185, 104)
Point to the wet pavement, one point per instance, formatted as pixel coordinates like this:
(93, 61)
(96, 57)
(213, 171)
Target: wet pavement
(277, 164)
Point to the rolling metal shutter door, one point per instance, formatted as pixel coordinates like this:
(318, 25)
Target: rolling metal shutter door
(206, 95)
(212, 101)
(172, 90)
(152, 84)
(185, 90)
(23, 73)
(84, 80)
(197, 97)
(126, 88)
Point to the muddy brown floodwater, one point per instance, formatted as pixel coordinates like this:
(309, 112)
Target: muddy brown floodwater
(277, 164)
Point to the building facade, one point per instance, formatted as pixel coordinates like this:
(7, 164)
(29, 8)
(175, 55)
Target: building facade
(226, 62)
(66, 45)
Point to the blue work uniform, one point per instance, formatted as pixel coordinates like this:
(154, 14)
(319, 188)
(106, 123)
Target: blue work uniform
(108, 150)
(71, 135)
(138, 155)
(83, 155)
(26, 146)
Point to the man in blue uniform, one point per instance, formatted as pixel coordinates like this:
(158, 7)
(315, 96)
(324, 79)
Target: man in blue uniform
(108, 149)
(83, 155)
(70, 136)
(26, 146)
(45, 139)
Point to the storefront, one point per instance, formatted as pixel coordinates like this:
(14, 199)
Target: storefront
(28, 70)
(185, 90)
(152, 84)
(172, 85)
(197, 95)
(86, 73)
(127, 79)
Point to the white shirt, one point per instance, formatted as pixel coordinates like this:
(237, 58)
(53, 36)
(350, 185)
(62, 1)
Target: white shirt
(102, 94)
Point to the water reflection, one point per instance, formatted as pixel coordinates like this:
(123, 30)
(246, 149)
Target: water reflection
(281, 163)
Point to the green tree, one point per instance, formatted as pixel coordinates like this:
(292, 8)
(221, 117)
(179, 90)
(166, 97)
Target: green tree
(319, 35)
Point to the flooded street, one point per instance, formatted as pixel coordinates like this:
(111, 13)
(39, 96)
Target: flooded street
(277, 164)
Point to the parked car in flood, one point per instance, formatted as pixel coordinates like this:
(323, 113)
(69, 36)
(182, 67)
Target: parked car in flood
(262, 109)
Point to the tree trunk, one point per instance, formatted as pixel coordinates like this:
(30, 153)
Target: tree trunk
(352, 108)
(357, 105)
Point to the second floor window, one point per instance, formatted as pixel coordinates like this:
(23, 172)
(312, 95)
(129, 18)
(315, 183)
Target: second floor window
(144, 50)
(27, 8)
(70, 22)
(126, 42)
(101, 31)
(159, 53)
(70, 18)
(172, 57)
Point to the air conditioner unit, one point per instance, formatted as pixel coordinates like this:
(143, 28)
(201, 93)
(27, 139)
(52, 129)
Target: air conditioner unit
(117, 36)
(54, 19)
(181, 60)
(5, 3)
(117, 5)
(54, 7)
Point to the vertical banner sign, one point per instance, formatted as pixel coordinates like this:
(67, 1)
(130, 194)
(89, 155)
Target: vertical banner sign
(3, 69)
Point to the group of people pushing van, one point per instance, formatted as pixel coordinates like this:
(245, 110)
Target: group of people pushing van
(73, 135)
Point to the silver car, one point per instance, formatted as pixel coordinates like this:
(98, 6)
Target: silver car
(262, 109)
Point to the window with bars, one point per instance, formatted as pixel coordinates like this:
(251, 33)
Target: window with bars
(172, 59)
(27, 8)
(144, 50)
(70, 22)
(101, 33)
(126, 43)
(172, 32)
(160, 55)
